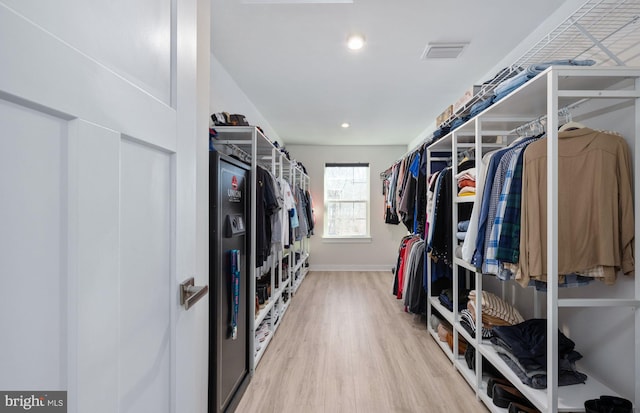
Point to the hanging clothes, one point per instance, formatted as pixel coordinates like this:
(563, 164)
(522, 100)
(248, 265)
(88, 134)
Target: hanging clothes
(303, 229)
(469, 245)
(595, 207)
(421, 196)
(442, 235)
(308, 206)
(499, 192)
(266, 206)
(407, 200)
(289, 204)
(490, 197)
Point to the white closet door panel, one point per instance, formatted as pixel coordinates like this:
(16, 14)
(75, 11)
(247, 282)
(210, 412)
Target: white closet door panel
(32, 250)
(145, 279)
(74, 85)
(137, 49)
(94, 240)
(94, 279)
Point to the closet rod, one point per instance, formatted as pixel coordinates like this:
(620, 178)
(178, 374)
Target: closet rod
(387, 172)
(234, 150)
(466, 153)
(539, 120)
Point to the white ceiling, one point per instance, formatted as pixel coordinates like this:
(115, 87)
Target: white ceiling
(292, 63)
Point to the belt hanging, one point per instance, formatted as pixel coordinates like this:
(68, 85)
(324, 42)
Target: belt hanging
(235, 291)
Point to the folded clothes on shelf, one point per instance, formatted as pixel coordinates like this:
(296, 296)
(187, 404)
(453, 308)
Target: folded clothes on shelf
(469, 323)
(440, 132)
(494, 306)
(517, 78)
(523, 347)
(446, 299)
(481, 105)
(467, 191)
(509, 85)
(567, 374)
(459, 121)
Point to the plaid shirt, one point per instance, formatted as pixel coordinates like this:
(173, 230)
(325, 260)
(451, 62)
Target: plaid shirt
(491, 264)
(509, 240)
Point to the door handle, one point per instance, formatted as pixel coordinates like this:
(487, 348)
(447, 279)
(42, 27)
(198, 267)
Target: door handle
(190, 294)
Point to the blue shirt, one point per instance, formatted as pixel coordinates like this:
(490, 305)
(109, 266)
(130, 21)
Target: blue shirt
(490, 199)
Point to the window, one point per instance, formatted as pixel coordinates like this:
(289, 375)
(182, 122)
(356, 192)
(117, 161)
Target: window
(346, 200)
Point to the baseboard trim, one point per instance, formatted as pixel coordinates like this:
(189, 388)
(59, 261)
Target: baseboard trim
(350, 268)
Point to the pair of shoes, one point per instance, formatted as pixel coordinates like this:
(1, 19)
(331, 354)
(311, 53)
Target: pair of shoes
(496, 380)
(519, 408)
(262, 333)
(608, 404)
(503, 395)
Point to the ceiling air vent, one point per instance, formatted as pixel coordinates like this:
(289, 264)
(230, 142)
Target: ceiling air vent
(443, 50)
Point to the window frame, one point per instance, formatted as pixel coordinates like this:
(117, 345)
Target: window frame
(367, 202)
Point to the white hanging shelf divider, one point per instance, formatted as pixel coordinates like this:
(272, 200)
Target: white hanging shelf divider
(606, 31)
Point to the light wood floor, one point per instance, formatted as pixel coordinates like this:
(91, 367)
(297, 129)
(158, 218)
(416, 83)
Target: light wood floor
(346, 345)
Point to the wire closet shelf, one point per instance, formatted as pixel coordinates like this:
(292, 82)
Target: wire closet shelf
(606, 31)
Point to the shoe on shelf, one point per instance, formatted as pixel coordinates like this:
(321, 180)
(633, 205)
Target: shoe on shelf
(496, 380)
(519, 408)
(434, 321)
(608, 404)
(262, 334)
(503, 395)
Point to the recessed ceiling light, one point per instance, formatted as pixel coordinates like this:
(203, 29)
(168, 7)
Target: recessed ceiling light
(355, 42)
(345, 125)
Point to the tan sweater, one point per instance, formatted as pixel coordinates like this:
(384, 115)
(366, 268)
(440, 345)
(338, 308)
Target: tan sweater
(595, 206)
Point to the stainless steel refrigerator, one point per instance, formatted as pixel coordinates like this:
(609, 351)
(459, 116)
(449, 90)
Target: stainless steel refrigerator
(230, 304)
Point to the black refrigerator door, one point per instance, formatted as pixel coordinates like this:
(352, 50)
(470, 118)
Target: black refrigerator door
(229, 191)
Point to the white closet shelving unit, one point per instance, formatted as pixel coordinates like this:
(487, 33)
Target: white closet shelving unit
(251, 146)
(607, 31)
(299, 254)
(542, 97)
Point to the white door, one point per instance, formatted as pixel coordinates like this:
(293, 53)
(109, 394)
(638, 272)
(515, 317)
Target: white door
(100, 130)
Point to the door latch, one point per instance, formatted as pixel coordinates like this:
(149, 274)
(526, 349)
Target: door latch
(190, 294)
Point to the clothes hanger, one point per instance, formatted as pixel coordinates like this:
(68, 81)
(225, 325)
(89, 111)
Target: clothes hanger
(569, 123)
(571, 126)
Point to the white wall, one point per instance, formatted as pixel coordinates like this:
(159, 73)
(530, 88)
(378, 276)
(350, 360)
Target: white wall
(382, 251)
(226, 96)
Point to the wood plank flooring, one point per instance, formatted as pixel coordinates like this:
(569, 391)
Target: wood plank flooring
(346, 345)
